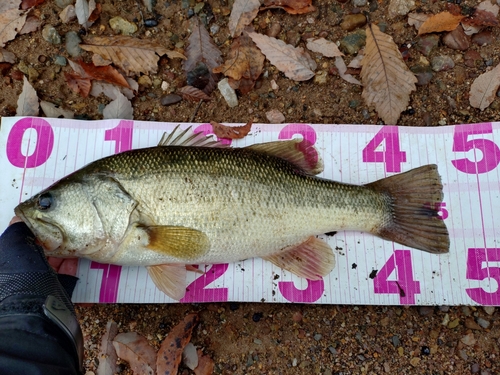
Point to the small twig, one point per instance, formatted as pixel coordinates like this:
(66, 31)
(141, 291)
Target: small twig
(195, 111)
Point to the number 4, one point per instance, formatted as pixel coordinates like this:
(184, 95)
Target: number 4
(392, 155)
(404, 285)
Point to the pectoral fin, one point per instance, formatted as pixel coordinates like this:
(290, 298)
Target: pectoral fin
(311, 259)
(178, 242)
(170, 279)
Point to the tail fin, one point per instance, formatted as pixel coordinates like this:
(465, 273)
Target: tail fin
(414, 198)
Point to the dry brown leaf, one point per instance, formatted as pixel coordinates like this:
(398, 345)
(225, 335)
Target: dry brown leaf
(202, 50)
(103, 73)
(291, 6)
(27, 104)
(129, 53)
(324, 47)
(205, 364)
(54, 111)
(242, 15)
(120, 108)
(136, 350)
(32, 24)
(11, 22)
(193, 94)
(170, 352)
(6, 5)
(387, 81)
(483, 89)
(444, 21)
(107, 354)
(26, 4)
(482, 18)
(342, 68)
(231, 132)
(83, 10)
(294, 62)
(79, 84)
(245, 62)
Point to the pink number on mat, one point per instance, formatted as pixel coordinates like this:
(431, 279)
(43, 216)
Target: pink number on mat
(392, 155)
(476, 271)
(197, 291)
(43, 148)
(312, 293)
(404, 285)
(207, 129)
(489, 150)
(122, 135)
(109, 283)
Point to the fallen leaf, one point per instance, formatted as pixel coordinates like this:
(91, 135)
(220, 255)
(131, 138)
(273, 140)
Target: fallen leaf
(120, 108)
(444, 21)
(324, 47)
(79, 84)
(129, 53)
(52, 110)
(135, 349)
(97, 60)
(193, 94)
(83, 10)
(231, 132)
(32, 24)
(107, 354)
(104, 73)
(342, 68)
(170, 352)
(26, 4)
(68, 14)
(27, 104)
(294, 62)
(417, 19)
(7, 56)
(206, 364)
(484, 88)
(387, 81)
(111, 91)
(11, 21)
(245, 62)
(291, 6)
(483, 17)
(202, 48)
(242, 15)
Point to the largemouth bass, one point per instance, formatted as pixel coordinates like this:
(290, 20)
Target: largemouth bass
(189, 201)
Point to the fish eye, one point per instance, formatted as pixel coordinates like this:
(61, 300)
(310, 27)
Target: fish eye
(45, 201)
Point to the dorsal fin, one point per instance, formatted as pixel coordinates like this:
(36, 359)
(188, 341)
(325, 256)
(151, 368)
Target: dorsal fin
(188, 137)
(301, 153)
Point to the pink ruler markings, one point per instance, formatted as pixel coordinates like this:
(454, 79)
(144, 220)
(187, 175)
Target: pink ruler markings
(345, 141)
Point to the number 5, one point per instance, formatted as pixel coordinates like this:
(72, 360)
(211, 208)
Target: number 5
(461, 143)
(476, 271)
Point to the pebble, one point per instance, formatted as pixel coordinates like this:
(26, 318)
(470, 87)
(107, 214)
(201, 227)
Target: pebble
(257, 317)
(72, 43)
(332, 350)
(64, 3)
(457, 39)
(274, 29)
(353, 21)
(275, 117)
(475, 368)
(359, 3)
(122, 26)
(145, 81)
(68, 14)
(228, 93)
(489, 309)
(425, 310)
(317, 337)
(454, 323)
(395, 340)
(463, 354)
(297, 316)
(415, 361)
(170, 99)
(444, 308)
(468, 339)
(426, 43)
(214, 29)
(466, 310)
(425, 350)
(353, 42)
(471, 324)
(60, 60)
(424, 75)
(483, 322)
(320, 77)
(483, 38)
(371, 331)
(50, 34)
(400, 7)
(33, 74)
(293, 37)
(441, 63)
(151, 22)
(294, 362)
(472, 58)
(257, 341)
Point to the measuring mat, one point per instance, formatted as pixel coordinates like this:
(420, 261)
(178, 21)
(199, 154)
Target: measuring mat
(36, 152)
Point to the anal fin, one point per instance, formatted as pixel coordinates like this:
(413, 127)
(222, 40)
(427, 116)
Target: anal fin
(170, 279)
(311, 259)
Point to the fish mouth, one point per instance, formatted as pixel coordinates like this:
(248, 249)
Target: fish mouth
(50, 241)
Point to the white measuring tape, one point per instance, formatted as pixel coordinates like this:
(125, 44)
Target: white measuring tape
(38, 151)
